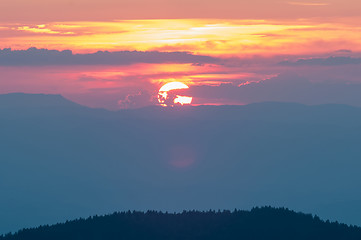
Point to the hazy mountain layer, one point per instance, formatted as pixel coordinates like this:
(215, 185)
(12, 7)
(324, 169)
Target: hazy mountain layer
(60, 160)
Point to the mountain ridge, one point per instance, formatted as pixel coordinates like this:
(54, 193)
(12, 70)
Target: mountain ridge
(256, 224)
(19, 99)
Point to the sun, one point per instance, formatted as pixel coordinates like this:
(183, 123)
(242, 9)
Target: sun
(166, 96)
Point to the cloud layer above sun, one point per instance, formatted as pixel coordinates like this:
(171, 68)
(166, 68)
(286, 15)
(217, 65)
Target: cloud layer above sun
(199, 36)
(123, 63)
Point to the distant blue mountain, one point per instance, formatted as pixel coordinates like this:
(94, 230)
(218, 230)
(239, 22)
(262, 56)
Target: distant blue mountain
(60, 160)
(22, 100)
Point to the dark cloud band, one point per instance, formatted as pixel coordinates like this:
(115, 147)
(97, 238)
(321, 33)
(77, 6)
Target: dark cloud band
(330, 61)
(45, 57)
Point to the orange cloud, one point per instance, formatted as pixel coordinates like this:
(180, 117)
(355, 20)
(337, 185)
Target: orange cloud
(41, 29)
(206, 37)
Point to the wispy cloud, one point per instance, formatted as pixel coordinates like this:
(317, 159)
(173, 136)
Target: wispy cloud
(42, 29)
(308, 3)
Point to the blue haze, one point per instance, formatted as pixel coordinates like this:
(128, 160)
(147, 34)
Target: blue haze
(60, 160)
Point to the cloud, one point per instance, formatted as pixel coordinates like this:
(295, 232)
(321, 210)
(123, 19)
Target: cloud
(330, 61)
(284, 88)
(45, 57)
(40, 29)
(140, 99)
(308, 3)
(343, 51)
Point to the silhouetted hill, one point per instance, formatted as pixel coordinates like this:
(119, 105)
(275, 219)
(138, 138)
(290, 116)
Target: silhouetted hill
(22, 100)
(64, 162)
(257, 224)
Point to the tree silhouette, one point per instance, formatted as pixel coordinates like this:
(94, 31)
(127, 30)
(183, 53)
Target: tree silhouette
(259, 223)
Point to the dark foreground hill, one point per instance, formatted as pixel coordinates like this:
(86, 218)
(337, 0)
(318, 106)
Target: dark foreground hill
(259, 223)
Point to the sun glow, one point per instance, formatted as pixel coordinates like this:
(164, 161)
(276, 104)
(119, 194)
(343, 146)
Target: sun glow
(166, 98)
(183, 100)
(172, 86)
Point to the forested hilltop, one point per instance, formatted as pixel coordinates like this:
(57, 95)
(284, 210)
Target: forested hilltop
(259, 223)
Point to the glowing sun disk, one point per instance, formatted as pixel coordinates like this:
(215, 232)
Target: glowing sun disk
(173, 86)
(166, 99)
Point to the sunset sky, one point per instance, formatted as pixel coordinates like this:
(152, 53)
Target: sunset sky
(117, 54)
(172, 105)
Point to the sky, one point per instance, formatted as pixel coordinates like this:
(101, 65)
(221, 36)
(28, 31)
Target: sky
(117, 54)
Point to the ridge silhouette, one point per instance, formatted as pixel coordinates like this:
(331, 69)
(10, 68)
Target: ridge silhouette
(257, 224)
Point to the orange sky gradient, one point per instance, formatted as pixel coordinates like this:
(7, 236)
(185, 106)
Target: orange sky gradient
(250, 38)
(108, 10)
(200, 36)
